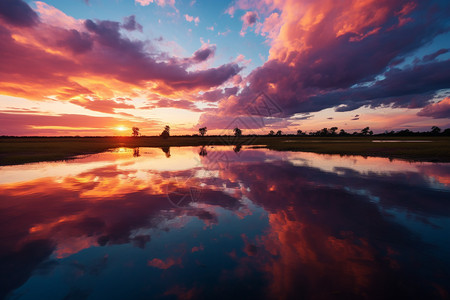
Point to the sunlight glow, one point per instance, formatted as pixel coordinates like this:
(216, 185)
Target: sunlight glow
(121, 128)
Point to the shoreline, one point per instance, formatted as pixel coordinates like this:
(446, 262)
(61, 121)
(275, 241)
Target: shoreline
(21, 150)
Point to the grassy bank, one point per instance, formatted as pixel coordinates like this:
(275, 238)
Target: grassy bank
(34, 149)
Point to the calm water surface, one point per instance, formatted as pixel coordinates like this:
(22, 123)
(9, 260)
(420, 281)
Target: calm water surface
(221, 223)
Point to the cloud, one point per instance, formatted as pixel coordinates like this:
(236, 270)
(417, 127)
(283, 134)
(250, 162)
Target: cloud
(305, 117)
(328, 55)
(432, 56)
(189, 18)
(76, 59)
(204, 53)
(248, 124)
(218, 94)
(224, 33)
(182, 104)
(158, 2)
(75, 41)
(130, 24)
(249, 19)
(101, 105)
(18, 13)
(40, 124)
(437, 110)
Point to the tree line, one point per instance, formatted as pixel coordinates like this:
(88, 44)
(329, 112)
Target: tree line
(333, 131)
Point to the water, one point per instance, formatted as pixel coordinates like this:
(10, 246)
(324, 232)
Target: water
(193, 223)
(400, 141)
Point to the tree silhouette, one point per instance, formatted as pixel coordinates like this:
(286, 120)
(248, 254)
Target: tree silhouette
(333, 130)
(202, 131)
(135, 132)
(323, 132)
(299, 132)
(446, 132)
(166, 132)
(365, 131)
(279, 133)
(237, 131)
(272, 133)
(435, 130)
(343, 132)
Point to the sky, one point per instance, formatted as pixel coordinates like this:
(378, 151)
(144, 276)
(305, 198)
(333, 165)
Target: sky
(100, 67)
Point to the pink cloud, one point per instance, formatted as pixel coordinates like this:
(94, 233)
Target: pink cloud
(322, 53)
(224, 33)
(189, 18)
(101, 105)
(437, 110)
(270, 26)
(249, 19)
(70, 58)
(182, 104)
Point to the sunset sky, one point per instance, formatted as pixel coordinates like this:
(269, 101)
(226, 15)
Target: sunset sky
(99, 67)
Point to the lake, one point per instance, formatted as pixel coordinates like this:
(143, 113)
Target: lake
(223, 222)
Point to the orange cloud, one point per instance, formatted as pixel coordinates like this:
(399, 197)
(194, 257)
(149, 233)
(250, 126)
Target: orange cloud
(59, 57)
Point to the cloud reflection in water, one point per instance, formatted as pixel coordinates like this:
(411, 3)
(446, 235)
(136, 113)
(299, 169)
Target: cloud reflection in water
(254, 224)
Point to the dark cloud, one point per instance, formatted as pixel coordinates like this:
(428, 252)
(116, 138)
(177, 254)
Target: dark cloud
(130, 63)
(18, 13)
(218, 94)
(130, 24)
(77, 42)
(204, 54)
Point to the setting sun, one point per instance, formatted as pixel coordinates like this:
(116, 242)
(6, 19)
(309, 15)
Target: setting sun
(121, 128)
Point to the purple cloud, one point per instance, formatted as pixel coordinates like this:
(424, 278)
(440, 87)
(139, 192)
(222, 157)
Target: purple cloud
(18, 13)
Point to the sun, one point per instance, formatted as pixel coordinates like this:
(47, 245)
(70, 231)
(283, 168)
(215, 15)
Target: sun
(121, 128)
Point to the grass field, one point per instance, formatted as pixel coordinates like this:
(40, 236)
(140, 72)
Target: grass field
(33, 149)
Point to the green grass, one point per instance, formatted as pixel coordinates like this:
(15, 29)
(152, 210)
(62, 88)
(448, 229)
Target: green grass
(26, 149)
